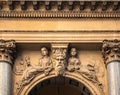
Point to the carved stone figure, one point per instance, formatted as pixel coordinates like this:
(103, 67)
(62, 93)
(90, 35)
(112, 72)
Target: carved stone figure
(73, 61)
(90, 73)
(44, 65)
(22, 65)
(59, 57)
(45, 61)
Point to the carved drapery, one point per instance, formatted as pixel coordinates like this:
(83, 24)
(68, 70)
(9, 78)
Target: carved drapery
(111, 50)
(7, 50)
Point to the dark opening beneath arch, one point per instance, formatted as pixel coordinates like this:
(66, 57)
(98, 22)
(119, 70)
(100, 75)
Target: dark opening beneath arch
(60, 86)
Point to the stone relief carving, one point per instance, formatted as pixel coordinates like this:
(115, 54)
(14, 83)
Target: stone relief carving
(7, 50)
(92, 73)
(22, 65)
(111, 50)
(73, 61)
(59, 60)
(29, 73)
(58, 64)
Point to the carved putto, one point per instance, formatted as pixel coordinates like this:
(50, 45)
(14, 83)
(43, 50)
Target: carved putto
(111, 50)
(73, 61)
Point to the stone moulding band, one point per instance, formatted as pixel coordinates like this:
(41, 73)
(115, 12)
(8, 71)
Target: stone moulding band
(60, 36)
(59, 9)
(33, 14)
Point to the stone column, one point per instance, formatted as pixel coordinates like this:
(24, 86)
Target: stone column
(111, 54)
(7, 49)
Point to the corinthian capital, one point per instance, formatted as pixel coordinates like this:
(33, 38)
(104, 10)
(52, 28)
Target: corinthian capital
(7, 50)
(111, 50)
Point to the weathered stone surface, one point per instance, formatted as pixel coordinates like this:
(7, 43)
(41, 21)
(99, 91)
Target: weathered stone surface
(5, 79)
(114, 77)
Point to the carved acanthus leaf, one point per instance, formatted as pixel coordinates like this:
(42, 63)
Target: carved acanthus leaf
(7, 50)
(111, 50)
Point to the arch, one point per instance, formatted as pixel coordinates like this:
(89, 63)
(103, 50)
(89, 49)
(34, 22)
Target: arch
(92, 88)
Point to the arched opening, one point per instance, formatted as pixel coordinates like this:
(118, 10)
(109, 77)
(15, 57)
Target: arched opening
(60, 86)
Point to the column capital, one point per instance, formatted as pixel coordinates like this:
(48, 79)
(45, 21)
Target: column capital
(7, 50)
(111, 50)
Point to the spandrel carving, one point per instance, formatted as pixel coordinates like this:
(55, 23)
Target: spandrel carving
(93, 72)
(73, 61)
(30, 72)
(57, 63)
(22, 65)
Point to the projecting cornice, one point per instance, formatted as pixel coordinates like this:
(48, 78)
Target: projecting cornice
(59, 8)
(60, 36)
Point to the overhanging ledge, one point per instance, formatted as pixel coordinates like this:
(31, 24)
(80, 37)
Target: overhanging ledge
(60, 36)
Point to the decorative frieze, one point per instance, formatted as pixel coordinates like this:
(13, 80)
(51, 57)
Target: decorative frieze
(111, 50)
(7, 50)
(58, 61)
(81, 8)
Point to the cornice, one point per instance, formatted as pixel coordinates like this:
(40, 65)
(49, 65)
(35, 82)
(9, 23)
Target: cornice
(59, 9)
(60, 36)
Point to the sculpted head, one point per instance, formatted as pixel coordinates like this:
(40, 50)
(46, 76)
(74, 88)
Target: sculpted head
(44, 51)
(73, 52)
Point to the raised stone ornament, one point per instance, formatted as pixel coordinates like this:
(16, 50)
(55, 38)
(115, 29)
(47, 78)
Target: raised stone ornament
(73, 61)
(59, 58)
(22, 65)
(45, 61)
(111, 50)
(44, 66)
(7, 50)
(90, 73)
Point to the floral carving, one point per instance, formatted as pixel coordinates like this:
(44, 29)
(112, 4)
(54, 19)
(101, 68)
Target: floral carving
(7, 50)
(73, 61)
(111, 50)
